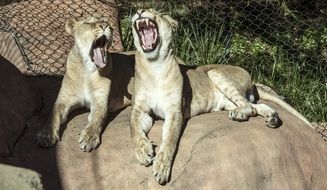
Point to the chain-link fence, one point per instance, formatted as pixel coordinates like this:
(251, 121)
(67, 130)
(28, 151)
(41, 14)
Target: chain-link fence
(38, 28)
(283, 43)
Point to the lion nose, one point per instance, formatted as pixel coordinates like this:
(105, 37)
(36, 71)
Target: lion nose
(140, 11)
(103, 26)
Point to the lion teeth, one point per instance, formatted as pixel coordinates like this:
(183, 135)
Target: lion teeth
(137, 24)
(155, 35)
(147, 21)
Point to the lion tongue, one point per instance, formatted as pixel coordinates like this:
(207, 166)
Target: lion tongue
(148, 38)
(98, 58)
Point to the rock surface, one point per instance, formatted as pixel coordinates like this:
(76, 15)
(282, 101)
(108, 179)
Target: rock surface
(14, 178)
(18, 102)
(214, 153)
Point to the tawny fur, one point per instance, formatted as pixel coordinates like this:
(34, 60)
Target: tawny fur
(102, 90)
(176, 92)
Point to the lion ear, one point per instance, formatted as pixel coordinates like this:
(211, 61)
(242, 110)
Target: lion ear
(70, 25)
(173, 22)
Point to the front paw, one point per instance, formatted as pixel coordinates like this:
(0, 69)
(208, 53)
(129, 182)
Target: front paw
(240, 114)
(144, 151)
(47, 137)
(89, 139)
(161, 167)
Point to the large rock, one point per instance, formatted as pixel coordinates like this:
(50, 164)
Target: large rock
(14, 178)
(214, 153)
(18, 102)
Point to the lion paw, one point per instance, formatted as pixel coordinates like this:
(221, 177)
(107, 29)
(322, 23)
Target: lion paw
(47, 137)
(89, 139)
(144, 151)
(240, 114)
(273, 120)
(161, 168)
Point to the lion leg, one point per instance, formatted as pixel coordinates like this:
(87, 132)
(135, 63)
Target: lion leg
(244, 109)
(171, 132)
(49, 135)
(271, 116)
(141, 123)
(90, 136)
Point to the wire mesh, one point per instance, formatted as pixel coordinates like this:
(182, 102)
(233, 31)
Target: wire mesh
(39, 29)
(282, 43)
(296, 29)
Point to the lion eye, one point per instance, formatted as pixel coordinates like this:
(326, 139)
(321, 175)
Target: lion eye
(90, 23)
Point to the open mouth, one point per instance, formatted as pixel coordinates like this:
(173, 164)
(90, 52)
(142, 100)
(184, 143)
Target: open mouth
(98, 51)
(147, 31)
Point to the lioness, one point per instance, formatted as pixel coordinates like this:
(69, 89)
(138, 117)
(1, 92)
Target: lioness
(92, 79)
(176, 92)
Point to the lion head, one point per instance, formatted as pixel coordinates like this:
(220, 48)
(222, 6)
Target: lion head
(93, 37)
(152, 32)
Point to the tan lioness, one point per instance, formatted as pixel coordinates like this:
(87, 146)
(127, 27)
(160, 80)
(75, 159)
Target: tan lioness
(176, 92)
(92, 79)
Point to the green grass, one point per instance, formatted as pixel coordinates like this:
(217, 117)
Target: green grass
(280, 47)
(293, 64)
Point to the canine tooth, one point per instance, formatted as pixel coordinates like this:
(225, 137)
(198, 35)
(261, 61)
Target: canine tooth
(147, 21)
(105, 56)
(137, 24)
(155, 35)
(151, 24)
